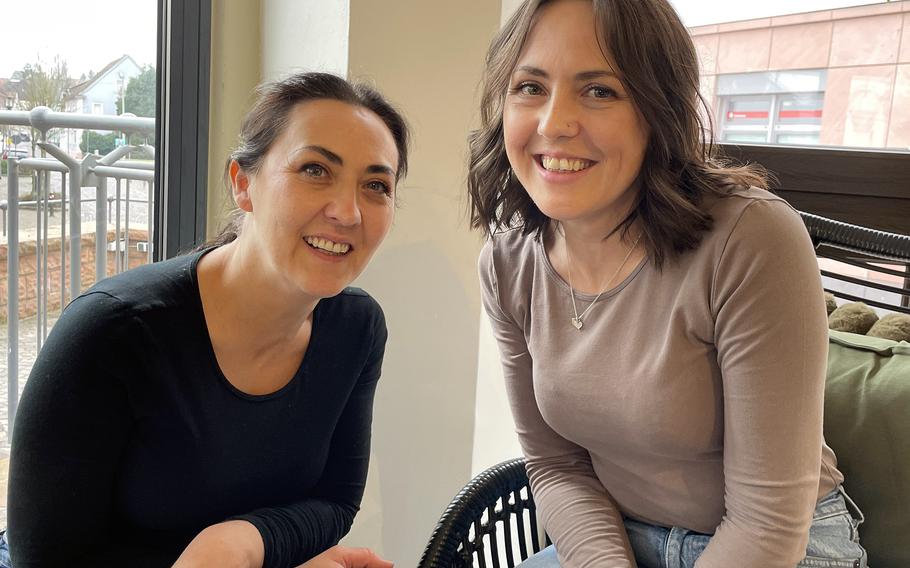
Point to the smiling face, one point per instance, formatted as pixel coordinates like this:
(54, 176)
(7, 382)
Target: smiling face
(322, 199)
(573, 136)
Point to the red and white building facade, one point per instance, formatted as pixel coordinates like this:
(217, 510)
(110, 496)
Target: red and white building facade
(836, 77)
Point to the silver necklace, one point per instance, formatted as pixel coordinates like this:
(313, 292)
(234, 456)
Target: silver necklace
(577, 321)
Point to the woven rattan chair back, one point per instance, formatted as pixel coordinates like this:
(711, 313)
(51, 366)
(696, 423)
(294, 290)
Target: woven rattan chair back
(490, 523)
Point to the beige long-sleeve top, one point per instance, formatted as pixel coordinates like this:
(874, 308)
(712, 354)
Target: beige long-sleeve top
(692, 396)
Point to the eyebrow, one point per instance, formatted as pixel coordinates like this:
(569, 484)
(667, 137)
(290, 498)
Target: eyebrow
(583, 76)
(380, 169)
(335, 158)
(329, 155)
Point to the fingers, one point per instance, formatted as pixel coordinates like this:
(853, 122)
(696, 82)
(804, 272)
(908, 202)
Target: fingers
(362, 558)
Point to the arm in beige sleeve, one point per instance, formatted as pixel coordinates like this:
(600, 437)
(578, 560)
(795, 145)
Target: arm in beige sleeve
(577, 511)
(771, 339)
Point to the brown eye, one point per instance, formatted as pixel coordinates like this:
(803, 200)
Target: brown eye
(601, 92)
(314, 170)
(529, 89)
(379, 187)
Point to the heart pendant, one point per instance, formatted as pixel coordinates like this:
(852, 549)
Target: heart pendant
(577, 323)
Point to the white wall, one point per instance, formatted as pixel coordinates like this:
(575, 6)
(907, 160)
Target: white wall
(427, 56)
(494, 432)
(309, 35)
(508, 7)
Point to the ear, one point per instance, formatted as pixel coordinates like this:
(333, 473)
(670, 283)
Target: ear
(240, 186)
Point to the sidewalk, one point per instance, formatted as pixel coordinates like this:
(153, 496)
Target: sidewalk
(28, 350)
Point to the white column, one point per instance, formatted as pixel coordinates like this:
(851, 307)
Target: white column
(427, 56)
(304, 35)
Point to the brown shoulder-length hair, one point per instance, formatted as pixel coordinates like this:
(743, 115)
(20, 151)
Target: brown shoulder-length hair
(269, 116)
(658, 66)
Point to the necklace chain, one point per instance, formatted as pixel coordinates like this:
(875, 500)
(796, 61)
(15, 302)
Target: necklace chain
(577, 321)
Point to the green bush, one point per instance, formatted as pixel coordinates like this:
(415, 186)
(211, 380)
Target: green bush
(95, 142)
(4, 169)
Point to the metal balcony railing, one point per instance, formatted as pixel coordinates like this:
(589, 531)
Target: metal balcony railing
(77, 179)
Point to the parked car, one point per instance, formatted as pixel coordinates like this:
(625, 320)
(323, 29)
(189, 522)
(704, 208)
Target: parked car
(17, 153)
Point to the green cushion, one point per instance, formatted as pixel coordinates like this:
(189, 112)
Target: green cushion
(867, 423)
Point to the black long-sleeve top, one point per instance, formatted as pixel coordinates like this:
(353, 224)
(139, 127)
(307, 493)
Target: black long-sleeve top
(129, 440)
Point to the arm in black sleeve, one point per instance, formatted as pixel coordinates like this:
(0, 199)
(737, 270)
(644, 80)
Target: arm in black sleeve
(297, 532)
(70, 431)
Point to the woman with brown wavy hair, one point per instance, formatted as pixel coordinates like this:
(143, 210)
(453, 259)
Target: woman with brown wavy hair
(659, 313)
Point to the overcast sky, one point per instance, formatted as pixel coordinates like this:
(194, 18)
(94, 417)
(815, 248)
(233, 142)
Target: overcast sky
(87, 35)
(90, 34)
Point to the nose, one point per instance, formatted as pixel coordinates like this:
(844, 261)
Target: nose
(558, 118)
(343, 207)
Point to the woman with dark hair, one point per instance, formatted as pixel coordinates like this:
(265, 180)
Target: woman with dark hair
(214, 409)
(659, 313)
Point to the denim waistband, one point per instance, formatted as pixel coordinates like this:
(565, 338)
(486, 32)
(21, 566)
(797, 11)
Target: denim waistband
(837, 502)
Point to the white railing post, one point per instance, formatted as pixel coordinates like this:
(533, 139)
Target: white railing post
(12, 294)
(75, 179)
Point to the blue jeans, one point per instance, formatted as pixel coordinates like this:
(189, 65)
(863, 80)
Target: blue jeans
(833, 541)
(4, 551)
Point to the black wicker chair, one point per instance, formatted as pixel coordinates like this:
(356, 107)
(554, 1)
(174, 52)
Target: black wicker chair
(887, 254)
(491, 522)
(495, 511)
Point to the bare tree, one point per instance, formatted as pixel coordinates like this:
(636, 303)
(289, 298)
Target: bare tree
(44, 87)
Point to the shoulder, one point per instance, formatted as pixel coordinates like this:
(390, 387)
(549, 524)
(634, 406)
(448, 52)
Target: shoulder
(507, 267)
(354, 305)
(113, 304)
(152, 285)
(744, 207)
(753, 218)
(506, 255)
(758, 237)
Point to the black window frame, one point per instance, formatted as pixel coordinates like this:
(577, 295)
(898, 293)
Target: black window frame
(182, 125)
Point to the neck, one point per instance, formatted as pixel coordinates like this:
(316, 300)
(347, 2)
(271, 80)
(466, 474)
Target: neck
(591, 263)
(245, 302)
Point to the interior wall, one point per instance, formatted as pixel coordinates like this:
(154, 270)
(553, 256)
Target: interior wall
(426, 57)
(508, 7)
(308, 35)
(235, 71)
(494, 432)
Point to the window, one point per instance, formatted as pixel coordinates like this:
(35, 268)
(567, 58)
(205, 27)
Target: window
(151, 211)
(818, 92)
(771, 107)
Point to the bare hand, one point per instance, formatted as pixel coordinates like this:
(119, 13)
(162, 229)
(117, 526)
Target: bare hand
(232, 544)
(344, 557)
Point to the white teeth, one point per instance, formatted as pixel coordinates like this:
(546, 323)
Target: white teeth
(327, 245)
(563, 164)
